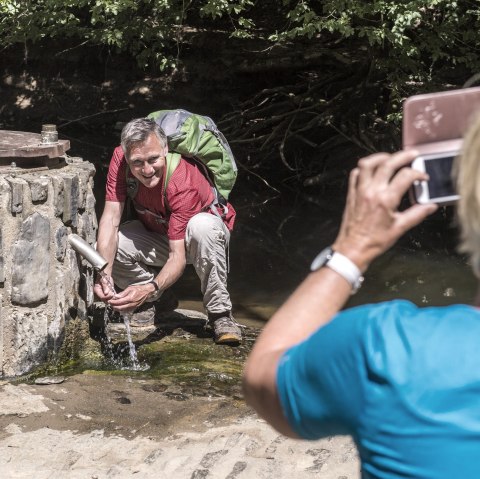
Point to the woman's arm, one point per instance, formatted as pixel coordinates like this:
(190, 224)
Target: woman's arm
(371, 224)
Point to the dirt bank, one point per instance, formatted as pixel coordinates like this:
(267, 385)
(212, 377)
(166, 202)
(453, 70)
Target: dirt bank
(95, 427)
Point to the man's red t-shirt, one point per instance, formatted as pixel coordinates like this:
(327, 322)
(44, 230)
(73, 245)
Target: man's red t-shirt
(188, 193)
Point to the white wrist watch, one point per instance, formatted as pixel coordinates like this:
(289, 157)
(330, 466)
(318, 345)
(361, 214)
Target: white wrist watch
(340, 264)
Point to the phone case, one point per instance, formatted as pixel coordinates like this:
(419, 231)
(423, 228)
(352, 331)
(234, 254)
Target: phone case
(436, 122)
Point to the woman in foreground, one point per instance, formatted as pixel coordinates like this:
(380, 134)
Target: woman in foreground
(403, 381)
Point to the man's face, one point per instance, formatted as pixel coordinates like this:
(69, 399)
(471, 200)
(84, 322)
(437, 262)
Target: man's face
(147, 161)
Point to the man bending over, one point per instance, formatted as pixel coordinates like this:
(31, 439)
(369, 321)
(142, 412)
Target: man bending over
(177, 224)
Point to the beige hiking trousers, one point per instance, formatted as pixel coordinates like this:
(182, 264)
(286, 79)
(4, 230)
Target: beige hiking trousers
(142, 253)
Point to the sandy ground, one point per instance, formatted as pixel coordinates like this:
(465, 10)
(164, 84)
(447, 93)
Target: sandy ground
(102, 426)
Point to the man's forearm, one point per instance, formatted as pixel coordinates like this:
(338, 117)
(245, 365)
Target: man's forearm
(174, 267)
(170, 273)
(107, 246)
(107, 239)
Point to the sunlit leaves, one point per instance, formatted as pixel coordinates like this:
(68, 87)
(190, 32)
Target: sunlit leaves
(404, 39)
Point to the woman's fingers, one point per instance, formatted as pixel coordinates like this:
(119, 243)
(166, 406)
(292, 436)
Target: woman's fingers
(368, 166)
(376, 188)
(413, 216)
(386, 170)
(401, 183)
(383, 177)
(378, 169)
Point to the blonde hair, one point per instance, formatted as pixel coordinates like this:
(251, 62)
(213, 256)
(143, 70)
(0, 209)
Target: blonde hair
(467, 176)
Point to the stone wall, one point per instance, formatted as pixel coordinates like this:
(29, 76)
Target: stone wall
(43, 282)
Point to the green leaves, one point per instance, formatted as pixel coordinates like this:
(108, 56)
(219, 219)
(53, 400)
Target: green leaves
(405, 40)
(219, 8)
(137, 27)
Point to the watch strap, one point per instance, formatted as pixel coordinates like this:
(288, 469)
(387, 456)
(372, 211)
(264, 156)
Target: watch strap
(346, 268)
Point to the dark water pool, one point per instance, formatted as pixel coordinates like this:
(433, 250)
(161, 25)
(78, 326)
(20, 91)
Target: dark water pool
(275, 239)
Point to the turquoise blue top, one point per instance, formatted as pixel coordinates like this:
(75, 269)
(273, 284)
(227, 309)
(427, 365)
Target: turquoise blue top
(403, 381)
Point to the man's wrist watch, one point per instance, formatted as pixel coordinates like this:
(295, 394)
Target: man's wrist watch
(340, 264)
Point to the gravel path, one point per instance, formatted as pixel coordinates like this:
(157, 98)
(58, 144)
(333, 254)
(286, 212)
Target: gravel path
(56, 431)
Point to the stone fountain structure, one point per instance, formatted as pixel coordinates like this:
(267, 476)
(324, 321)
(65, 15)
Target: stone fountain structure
(45, 195)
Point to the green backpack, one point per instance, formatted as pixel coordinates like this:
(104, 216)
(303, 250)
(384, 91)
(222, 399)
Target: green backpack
(195, 136)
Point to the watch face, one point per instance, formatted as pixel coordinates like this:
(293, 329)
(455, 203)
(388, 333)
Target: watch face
(323, 258)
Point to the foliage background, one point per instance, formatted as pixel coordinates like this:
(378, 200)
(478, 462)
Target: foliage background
(293, 83)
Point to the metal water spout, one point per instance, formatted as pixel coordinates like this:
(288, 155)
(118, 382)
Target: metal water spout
(88, 252)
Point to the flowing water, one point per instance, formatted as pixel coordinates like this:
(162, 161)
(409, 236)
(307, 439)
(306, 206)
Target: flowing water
(126, 316)
(131, 346)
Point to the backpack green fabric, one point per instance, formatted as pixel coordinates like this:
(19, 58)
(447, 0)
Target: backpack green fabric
(197, 136)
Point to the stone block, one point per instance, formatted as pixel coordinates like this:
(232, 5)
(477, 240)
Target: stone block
(30, 348)
(2, 259)
(56, 326)
(89, 279)
(58, 195)
(85, 182)
(61, 236)
(90, 201)
(87, 227)
(17, 189)
(31, 261)
(70, 206)
(72, 280)
(5, 192)
(88, 167)
(38, 188)
(73, 159)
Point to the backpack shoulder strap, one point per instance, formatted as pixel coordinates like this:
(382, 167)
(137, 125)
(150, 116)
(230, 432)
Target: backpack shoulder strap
(132, 184)
(171, 162)
(132, 189)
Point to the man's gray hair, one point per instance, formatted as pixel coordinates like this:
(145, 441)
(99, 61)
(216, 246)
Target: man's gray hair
(137, 131)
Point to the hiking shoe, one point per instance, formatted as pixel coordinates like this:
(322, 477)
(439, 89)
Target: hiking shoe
(225, 329)
(146, 314)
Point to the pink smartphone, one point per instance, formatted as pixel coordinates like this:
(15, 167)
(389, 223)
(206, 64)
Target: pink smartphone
(434, 124)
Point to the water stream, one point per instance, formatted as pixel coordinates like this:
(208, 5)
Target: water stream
(126, 316)
(133, 352)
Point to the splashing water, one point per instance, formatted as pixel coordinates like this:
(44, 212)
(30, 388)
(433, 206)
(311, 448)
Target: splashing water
(133, 352)
(135, 365)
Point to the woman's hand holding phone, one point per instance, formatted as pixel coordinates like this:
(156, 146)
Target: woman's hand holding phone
(372, 223)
